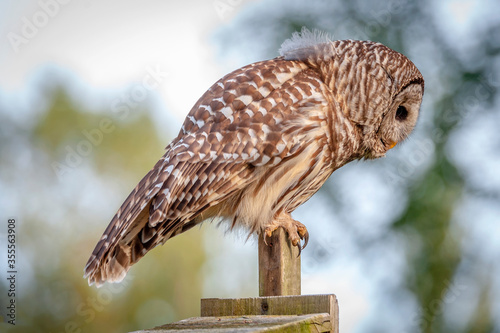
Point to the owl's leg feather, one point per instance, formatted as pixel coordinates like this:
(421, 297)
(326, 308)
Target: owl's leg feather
(296, 231)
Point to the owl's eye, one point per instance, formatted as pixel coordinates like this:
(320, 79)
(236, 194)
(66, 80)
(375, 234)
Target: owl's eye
(401, 113)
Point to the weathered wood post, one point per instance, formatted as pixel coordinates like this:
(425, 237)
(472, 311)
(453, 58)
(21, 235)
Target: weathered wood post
(280, 307)
(279, 266)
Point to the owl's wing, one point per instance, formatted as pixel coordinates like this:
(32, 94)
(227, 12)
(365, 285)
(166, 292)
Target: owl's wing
(252, 118)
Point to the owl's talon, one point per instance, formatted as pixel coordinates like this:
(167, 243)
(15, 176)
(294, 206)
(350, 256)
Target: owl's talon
(266, 236)
(304, 235)
(268, 232)
(296, 231)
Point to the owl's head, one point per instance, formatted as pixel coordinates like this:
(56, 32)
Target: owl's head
(377, 89)
(380, 92)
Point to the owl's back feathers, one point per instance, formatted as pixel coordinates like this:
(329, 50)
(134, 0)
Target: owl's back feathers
(247, 120)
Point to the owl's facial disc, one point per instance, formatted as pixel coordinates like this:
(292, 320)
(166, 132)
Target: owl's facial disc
(400, 119)
(401, 115)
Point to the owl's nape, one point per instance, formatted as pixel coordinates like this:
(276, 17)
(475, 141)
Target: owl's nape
(262, 140)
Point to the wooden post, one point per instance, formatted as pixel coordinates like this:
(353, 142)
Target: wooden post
(279, 266)
(280, 308)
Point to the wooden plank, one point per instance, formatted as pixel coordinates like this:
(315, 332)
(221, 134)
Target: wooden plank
(277, 305)
(305, 323)
(279, 266)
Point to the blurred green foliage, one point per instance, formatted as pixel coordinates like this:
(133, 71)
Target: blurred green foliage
(52, 295)
(119, 142)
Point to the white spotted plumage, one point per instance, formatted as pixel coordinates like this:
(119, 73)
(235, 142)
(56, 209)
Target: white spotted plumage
(262, 140)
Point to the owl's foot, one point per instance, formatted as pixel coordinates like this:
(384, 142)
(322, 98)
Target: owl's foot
(296, 231)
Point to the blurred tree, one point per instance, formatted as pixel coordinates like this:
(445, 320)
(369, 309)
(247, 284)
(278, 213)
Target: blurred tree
(82, 165)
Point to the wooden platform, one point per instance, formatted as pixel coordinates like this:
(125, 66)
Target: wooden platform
(306, 313)
(305, 323)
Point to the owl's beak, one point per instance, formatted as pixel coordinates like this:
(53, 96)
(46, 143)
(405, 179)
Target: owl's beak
(389, 145)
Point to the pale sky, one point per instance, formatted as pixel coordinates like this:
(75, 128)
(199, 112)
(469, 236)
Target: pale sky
(111, 44)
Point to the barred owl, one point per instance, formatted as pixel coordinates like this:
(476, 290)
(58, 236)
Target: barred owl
(262, 140)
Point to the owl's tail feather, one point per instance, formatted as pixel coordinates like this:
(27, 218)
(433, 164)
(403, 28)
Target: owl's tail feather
(113, 256)
(111, 263)
(113, 270)
(120, 246)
